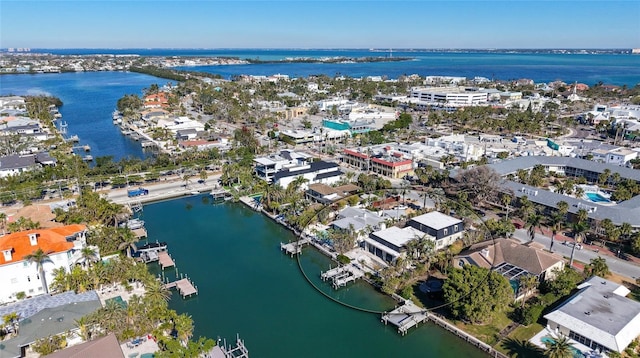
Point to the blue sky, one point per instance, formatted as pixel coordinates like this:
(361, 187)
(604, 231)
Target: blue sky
(320, 24)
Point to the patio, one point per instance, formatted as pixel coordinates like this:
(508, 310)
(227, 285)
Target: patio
(139, 347)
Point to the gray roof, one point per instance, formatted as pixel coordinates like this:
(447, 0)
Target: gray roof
(599, 311)
(627, 211)
(30, 306)
(511, 166)
(313, 167)
(48, 322)
(16, 161)
(436, 220)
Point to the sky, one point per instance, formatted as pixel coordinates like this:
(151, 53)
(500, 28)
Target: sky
(320, 24)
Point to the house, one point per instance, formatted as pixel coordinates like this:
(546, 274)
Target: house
(315, 172)
(103, 347)
(598, 316)
(444, 228)
(18, 275)
(267, 167)
(325, 194)
(47, 322)
(511, 259)
(15, 164)
(389, 244)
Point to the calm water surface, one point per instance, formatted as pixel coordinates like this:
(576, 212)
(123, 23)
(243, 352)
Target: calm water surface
(248, 287)
(89, 99)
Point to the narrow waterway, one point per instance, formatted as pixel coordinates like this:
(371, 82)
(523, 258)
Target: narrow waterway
(248, 287)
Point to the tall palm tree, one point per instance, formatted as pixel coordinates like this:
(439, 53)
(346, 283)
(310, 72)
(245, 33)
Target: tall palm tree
(598, 267)
(534, 222)
(128, 242)
(505, 199)
(88, 256)
(579, 229)
(559, 347)
(39, 257)
(527, 283)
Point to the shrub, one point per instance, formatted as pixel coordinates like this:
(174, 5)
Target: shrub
(406, 292)
(343, 259)
(531, 314)
(21, 295)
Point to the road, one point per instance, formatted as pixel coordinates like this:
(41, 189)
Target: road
(164, 189)
(616, 265)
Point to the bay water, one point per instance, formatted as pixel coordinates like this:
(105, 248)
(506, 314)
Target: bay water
(247, 286)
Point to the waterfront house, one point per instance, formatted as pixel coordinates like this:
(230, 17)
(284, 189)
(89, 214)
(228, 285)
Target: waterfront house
(443, 228)
(18, 275)
(15, 164)
(598, 316)
(390, 243)
(325, 194)
(328, 173)
(512, 260)
(267, 167)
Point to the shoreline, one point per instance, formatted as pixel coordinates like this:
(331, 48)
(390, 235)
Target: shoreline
(434, 318)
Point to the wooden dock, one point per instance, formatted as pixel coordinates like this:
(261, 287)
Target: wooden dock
(406, 316)
(342, 275)
(184, 286)
(141, 232)
(294, 248)
(165, 260)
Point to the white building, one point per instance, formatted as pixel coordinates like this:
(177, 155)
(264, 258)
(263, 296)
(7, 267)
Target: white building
(456, 96)
(18, 275)
(267, 167)
(328, 104)
(618, 156)
(315, 172)
(598, 316)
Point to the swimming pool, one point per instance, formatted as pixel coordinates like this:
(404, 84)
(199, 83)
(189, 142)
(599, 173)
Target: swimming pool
(118, 300)
(576, 353)
(597, 198)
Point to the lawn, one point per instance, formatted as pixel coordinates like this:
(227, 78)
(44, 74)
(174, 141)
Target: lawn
(488, 332)
(526, 332)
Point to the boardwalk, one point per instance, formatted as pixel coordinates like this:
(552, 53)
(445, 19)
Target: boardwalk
(165, 260)
(184, 286)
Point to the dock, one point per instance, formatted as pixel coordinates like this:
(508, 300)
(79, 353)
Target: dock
(294, 248)
(222, 350)
(140, 232)
(220, 194)
(342, 275)
(165, 260)
(184, 286)
(406, 316)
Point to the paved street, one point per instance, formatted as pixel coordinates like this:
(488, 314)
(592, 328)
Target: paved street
(616, 265)
(164, 189)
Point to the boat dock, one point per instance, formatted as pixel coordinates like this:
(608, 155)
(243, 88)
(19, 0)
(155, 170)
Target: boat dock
(342, 275)
(222, 350)
(184, 286)
(220, 194)
(294, 248)
(406, 316)
(165, 260)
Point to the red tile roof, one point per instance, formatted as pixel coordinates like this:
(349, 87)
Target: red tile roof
(356, 154)
(52, 240)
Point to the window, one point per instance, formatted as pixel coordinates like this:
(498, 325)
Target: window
(445, 232)
(455, 228)
(28, 279)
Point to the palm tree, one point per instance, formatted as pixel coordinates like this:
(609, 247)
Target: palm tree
(505, 199)
(625, 231)
(579, 229)
(559, 347)
(187, 180)
(597, 267)
(12, 319)
(128, 242)
(88, 255)
(557, 223)
(526, 284)
(533, 222)
(39, 257)
(156, 292)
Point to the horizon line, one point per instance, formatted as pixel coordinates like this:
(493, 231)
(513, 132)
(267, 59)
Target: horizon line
(323, 48)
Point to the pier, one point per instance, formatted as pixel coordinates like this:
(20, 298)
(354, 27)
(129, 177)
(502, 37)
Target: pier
(165, 260)
(294, 248)
(184, 286)
(342, 275)
(406, 316)
(222, 350)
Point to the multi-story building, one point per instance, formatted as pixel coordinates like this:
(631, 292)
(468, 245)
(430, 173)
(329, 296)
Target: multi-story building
(459, 96)
(392, 165)
(17, 274)
(267, 167)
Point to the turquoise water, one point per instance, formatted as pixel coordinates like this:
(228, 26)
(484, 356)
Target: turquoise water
(597, 198)
(576, 352)
(118, 300)
(248, 287)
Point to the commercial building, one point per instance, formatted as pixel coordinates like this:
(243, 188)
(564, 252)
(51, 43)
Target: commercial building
(388, 163)
(456, 96)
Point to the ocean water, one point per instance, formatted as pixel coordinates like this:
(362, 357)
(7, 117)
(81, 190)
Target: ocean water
(619, 69)
(248, 287)
(89, 98)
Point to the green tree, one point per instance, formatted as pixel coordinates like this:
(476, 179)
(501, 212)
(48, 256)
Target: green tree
(559, 347)
(597, 267)
(40, 257)
(476, 293)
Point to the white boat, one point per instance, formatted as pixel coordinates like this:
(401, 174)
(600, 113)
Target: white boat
(87, 158)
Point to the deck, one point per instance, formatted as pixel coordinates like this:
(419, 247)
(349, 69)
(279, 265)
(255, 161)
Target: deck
(184, 286)
(406, 316)
(165, 260)
(294, 248)
(342, 275)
